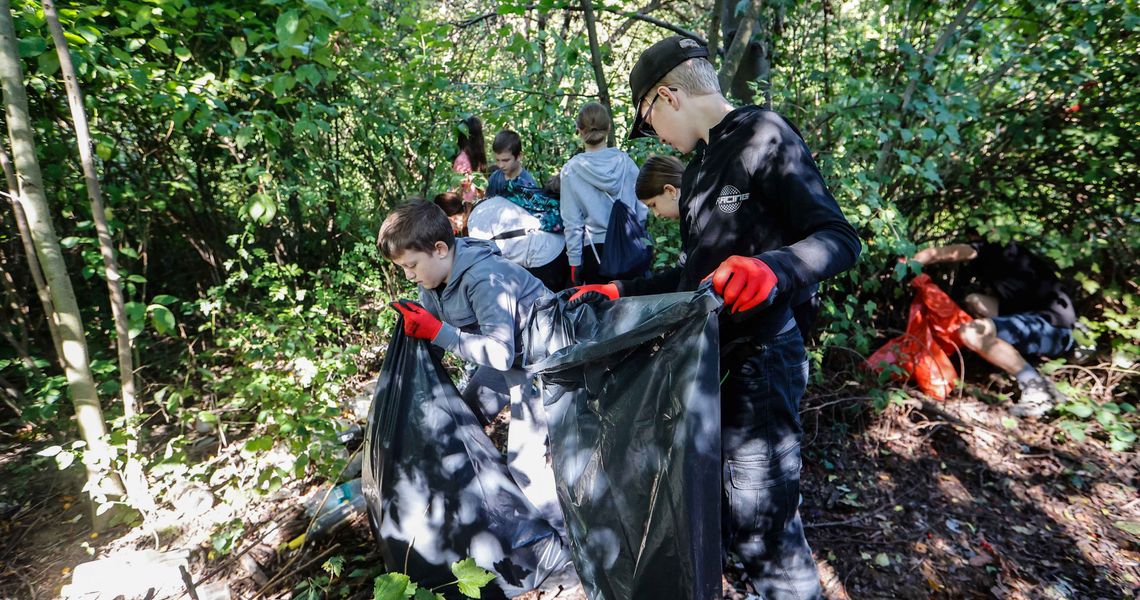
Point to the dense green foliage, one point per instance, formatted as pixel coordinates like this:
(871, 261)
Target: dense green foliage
(249, 150)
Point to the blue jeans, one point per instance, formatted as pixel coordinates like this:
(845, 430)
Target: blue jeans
(760, 436)
(1033, 335)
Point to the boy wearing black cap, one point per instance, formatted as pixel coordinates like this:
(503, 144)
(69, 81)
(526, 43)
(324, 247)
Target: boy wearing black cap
(758, 220)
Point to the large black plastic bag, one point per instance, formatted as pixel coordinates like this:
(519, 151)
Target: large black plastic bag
(632, 398)
(434, 481)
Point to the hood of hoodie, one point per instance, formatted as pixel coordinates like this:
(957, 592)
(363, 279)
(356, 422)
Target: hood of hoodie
(604, 169)
(468, 253)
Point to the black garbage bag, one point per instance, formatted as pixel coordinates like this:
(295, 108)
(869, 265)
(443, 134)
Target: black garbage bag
(438, 490)
(632, 400)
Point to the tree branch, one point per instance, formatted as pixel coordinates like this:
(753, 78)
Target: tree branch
(739, 45)
(638, 16)
(927, 63)
(643, 11)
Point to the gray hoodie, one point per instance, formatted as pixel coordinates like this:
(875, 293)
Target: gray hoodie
(484, 305)
(591, 182)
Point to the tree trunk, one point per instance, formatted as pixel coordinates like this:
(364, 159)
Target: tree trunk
(827, 145)
(596, 58)
(30, 252)
(137, 490)
(714, 31)
(744, 61)
(103, 484)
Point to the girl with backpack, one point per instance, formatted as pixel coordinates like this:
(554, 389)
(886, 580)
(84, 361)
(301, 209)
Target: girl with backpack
(593, 184)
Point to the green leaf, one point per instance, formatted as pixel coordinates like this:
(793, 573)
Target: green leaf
(288, 27)
(75, 38)
(238, 46)
(64, 459)
(425, 594)
(164, 299)
(1075, 430)
(29, 47)
(334, 566)
(50, 451)
(901, 269)
(135, 278)
(261, 208)
(882, 559)
(952, 132)
(244, 136)
(162, 319)
(390, 586)
(471, 577)
(322, 7)
(1132, 527)
(259, 444)
(136, 318)
(159, 44)
(1082, 411)
(282, 83)
(182, 53)
(47, 63)
(1124, 435)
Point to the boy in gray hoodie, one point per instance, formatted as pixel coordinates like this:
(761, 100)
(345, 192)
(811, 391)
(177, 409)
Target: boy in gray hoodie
(475, 303)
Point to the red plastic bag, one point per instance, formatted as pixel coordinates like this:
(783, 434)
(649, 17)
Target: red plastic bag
(923, 352)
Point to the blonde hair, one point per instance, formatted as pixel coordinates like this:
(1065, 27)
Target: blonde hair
(696, 76)
(594, 123)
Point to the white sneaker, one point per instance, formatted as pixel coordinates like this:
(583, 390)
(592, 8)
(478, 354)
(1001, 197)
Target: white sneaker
(1038, 397)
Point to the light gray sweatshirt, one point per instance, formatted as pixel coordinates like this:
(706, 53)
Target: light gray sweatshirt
(591, 182)
(484, 305)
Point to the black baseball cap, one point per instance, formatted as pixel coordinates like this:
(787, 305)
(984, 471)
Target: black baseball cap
(654, 64)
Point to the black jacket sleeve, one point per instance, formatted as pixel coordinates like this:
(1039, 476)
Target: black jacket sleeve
(822, 242)
(659, 282)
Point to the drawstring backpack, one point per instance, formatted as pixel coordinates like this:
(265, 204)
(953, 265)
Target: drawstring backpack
(628, 251)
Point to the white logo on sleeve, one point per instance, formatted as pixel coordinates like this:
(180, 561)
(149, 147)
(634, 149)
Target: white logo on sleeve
(730, 199)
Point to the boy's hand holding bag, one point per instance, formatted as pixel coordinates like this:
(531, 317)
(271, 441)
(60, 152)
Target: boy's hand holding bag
(744, 282)
(418, 322)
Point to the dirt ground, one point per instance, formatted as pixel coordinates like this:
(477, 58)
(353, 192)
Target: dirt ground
(923, 500)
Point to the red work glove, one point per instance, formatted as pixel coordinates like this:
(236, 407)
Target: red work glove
(744, 282)
(593, 293)
(574, 280)
(418, 322)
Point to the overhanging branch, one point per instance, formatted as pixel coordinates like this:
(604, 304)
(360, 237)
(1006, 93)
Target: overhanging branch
(638, 16)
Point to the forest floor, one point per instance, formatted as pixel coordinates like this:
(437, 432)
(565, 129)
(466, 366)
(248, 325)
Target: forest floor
(925, 499)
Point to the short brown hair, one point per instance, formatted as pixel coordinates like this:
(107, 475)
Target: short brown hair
(655, 173)
(415, 225)
(594, 123)
(507, 140)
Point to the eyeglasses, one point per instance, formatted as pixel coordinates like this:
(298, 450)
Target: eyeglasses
(647, 129)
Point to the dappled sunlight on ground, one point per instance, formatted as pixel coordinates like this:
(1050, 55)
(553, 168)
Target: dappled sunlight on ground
(925, 500)
(979, 506)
